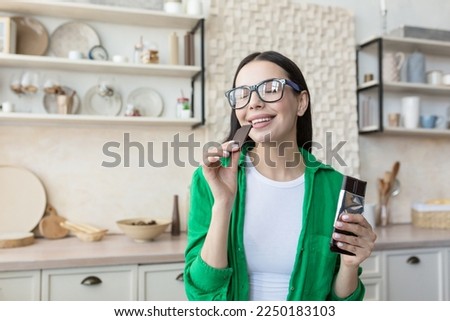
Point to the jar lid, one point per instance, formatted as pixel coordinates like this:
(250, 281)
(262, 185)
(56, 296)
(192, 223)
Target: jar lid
(182, 99)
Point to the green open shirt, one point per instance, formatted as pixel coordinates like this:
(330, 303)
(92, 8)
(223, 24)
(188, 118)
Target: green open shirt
(315, 266)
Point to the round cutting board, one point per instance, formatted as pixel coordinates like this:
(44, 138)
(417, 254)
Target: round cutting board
(9, 240)
(22, 200)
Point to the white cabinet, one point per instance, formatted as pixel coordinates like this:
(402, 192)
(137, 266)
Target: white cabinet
(161, 282)
(168, 78)
(372, 277)
(407, 275)
(377, 98)
(20, 286)
(147, 282)
(108, 283)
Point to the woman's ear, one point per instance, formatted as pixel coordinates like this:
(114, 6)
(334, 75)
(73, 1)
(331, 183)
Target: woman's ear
(302, 103)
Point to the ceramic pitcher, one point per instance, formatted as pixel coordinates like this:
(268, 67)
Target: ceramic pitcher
(416, 67)
(392, 63)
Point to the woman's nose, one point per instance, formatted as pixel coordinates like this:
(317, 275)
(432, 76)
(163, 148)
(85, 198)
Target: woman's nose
(255, 101)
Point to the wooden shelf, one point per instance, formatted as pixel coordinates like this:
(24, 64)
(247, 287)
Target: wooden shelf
(407, 44)
(102, 13)
(408, 87)
(86, 65)
(416, 132)
(86, 120)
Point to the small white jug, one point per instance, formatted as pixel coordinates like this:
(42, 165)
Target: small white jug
(392, 63)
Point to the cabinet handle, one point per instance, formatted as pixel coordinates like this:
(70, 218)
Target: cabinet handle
(180, 277)
(413, 260)
(91, 280)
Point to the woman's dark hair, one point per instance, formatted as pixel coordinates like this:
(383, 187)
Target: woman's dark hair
(304, 123)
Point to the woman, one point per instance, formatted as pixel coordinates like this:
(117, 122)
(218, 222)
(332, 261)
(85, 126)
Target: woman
(262, 216)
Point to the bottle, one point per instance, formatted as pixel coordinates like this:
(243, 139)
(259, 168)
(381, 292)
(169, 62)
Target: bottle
(138, 51)
(173, 47)
(188, 49)
(175, 217)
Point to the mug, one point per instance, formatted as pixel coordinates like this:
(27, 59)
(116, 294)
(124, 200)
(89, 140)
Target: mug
(64, 104)
(411, 111)
(446, 79)
(430, 121)
(369, 214)
(7, 107)
(434, 77)
(394, 119)
(392, 63)
(75, 55)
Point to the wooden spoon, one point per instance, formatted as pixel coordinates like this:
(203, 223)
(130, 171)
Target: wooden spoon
(392, 178)
(50, 226)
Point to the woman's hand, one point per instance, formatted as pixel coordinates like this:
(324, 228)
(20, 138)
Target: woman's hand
(222, 180)
(361, 245)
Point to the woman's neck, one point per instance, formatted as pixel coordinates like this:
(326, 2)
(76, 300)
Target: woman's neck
(279, 162)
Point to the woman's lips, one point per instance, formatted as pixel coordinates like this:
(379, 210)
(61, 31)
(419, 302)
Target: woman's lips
(261, 122)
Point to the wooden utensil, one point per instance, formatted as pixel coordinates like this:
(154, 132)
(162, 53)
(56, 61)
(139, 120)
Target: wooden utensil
(50, 225)
(392, 178)
(85, 232)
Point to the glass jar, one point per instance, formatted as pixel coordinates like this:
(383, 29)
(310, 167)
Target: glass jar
(183, 107)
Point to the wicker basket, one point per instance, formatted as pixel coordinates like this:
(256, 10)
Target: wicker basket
(431, 216)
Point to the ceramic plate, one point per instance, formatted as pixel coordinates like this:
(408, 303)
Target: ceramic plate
(94, 104)
(22, 200)
(147, 101)
(73, 36)
(32, 36)
(51, 106)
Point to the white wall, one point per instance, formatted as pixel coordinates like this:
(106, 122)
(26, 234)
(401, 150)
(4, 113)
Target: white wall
(423, 13)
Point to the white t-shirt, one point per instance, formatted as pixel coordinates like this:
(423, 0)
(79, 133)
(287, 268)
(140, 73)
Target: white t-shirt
(273, 221)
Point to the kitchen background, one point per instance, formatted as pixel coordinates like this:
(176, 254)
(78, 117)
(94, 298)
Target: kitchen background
(320, 35)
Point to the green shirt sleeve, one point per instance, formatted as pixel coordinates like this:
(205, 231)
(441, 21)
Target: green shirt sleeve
(202, 281)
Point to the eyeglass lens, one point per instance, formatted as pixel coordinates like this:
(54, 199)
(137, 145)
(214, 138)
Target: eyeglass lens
(268, 91)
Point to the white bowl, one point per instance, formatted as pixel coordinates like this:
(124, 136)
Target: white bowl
(143, 229)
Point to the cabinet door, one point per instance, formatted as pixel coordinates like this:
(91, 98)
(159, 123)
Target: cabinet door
(414, 275)
(372, 277)
(110, 283)
(20, 286)
(161, 282)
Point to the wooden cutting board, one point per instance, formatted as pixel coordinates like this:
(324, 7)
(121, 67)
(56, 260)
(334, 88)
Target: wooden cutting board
(22, 199)
(50, 225)
(11, 239)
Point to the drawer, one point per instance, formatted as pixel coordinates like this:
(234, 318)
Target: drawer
(161, 282)
(372, 265)
(20, 286)
(109, 283)
(414, 275)
(373, 289)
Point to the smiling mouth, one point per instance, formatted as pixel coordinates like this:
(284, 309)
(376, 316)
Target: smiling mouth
(261, 120)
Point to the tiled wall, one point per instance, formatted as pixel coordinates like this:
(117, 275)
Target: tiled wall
(319, 39)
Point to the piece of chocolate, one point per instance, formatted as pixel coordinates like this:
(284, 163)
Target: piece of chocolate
(241, 135)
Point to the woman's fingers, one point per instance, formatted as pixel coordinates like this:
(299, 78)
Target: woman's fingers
(214, 154)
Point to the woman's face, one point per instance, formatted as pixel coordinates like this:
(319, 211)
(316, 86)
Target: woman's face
(272, 122)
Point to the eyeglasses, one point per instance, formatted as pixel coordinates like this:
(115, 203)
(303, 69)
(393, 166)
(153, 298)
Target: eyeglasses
(269, 91)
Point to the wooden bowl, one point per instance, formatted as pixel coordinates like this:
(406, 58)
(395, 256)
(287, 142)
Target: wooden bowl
(143, 229)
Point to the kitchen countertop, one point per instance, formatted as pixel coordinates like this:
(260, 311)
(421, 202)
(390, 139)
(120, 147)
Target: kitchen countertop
(404, 236)
(117, 249)
(113, 249)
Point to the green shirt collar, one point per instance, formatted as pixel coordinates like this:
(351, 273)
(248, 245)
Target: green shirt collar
(311, 162)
